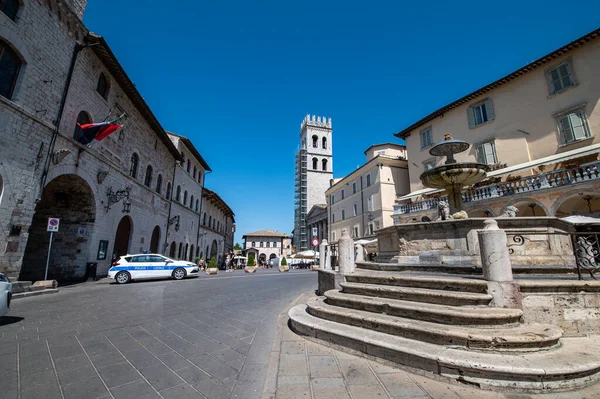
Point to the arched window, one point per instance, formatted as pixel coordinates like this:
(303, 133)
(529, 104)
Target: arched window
(324, 164)
(133, 168)
(188, 166)
(169, 190)
(185, 198)
(324, 142)
(82, 119)
(315, 164)
(192, 202)
(195, 171)
(218, 225)
(178, 194)
(197, 204)
(148, 177)
(159, 183)
(209, 221)
(200, 176)
(10, 64)
(102, 86)
(315, 141)
(204, 219)
(10, 8)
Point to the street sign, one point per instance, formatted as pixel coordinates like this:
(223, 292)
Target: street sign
(315, 242)
(314, 229)
(53, 224)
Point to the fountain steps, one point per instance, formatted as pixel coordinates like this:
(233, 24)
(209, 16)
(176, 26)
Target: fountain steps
(444, 325)
(481, 316)
(467, 269)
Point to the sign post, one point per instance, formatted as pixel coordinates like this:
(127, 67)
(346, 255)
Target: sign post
(315, 243)
(53, 224)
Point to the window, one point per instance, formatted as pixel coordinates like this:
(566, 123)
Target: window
(192, 202)
(355, 232)
(333, 218)
(324, 143)
(218, 225)
(315, 162)
(560, 78)
(204, 219)
(197, 205)
(262, 244)
(573, 127)
(343, 214)
(185, 197)
(200, 177)
(195, 171)
(343, 195)
(178, 194)
(102, 86)
(148, 177)
(332, 199)
(355, 209)
(486, 153)
(370, 203)
(354, 188)
(188, 166)
(480, 113)
(429, 164)
(268, 245)
(426, 138)
(169, 190)
(333, 236)
(133, 167)
(209, 221)
(159, 183)
(10, 8)
(315, 140)
(368, 180)
(82, 119)
(324, 165)
(254, 243)
(370, 229)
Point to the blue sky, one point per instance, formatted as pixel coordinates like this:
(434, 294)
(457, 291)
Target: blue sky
(237, 77)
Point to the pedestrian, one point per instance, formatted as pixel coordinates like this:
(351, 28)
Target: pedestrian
(227, 262)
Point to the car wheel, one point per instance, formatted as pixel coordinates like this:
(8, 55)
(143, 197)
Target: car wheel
(123, 277)
(179, 273)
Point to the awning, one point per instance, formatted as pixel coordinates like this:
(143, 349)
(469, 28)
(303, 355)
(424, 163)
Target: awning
(366, 242)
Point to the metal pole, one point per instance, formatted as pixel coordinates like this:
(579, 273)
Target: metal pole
(48, 260)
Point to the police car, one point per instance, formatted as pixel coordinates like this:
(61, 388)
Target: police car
(147, 266)
(5, 294)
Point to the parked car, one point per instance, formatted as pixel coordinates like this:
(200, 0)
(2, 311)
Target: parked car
(148, 266)
(5, 294)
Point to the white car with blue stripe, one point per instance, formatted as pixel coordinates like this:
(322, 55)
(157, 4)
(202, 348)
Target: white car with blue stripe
(147, 266)
(5, 294)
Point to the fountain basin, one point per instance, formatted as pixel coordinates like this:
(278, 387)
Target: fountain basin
(465, 174)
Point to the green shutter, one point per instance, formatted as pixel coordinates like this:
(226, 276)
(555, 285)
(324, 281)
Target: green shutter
(471, 117)
(490, 109)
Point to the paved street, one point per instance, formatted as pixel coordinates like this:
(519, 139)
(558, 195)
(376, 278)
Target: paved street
(205, 337)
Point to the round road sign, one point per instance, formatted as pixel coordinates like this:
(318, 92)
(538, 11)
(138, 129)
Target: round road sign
(315, 242)
(53, 222)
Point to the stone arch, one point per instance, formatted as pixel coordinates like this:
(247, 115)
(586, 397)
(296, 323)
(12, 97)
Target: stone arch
(272, 256)
(324, 143)
(315, 163)
(172, 250)
(103, 85)
(585, 203)
(83, 117)
(213, 250)
(12, 40)
(155, 240)
(148, 176)
(262, 258)
(71, 199)
(324, 164)
(525, 210)
(480, 212)
(123, 236)
(315, 141)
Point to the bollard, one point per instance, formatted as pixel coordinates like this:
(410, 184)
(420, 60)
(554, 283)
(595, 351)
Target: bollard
(346, 253)
(360, 253)
(322, 253)
(328, 257)
(497, 269)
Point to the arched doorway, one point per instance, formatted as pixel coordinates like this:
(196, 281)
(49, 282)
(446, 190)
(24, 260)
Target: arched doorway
(213, 249)
(191, 258)
(585, 204)
(123, 237)
(155, 240)
(172, 250)
(262, 259)
(71, 199)
(180, 251)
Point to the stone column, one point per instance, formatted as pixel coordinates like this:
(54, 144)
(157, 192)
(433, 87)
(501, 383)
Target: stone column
(328, 257)
(497, 269)
(323, 253)
(346, 253)
(360, 253)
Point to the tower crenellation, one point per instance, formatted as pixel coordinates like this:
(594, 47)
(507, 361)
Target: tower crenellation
(316, 121)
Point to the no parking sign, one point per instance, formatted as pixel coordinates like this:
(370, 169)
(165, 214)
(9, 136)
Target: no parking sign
(53, 224)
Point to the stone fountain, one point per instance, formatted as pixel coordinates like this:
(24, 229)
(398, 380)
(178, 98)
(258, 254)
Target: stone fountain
(453, 176)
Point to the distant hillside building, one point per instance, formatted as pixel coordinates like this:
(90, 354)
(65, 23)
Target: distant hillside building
(314, 171)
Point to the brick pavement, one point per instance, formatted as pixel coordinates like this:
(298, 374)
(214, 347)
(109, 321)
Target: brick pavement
(208, 337)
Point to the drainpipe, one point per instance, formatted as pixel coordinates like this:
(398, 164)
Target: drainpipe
(170, 205)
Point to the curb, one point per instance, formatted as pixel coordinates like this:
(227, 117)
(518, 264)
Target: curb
(34, 293)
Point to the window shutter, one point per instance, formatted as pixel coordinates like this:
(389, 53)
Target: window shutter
(471, 116)
(489, 107)
(551, 89)
(490, 153)
(478, 154)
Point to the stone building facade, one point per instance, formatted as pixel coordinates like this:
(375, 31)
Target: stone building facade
(537, 128)
(266, 245)
(314, 170)
(363, 201)
(316, 222)
(217, 228)
(112, 196)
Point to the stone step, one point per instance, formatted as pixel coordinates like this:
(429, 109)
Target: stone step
(453, 298)
(461, 315)
(573, 364)
(525, 337)
(24, 286)
(464, 269)
(438, 282)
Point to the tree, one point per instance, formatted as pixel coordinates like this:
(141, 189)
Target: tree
(212, 263)
(237, 247)
(251, 261)
(283, 261)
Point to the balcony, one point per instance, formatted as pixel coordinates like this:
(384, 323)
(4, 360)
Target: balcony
(526, 184)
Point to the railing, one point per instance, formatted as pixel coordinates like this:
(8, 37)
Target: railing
(542, 181)
(586, 248)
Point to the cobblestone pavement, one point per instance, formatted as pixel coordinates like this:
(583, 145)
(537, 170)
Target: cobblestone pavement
(209, 337)
(302, 368)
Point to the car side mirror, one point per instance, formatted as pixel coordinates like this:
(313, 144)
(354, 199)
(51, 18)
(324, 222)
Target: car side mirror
(169, 261)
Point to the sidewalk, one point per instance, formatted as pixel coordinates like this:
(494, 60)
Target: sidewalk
(301, 368)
